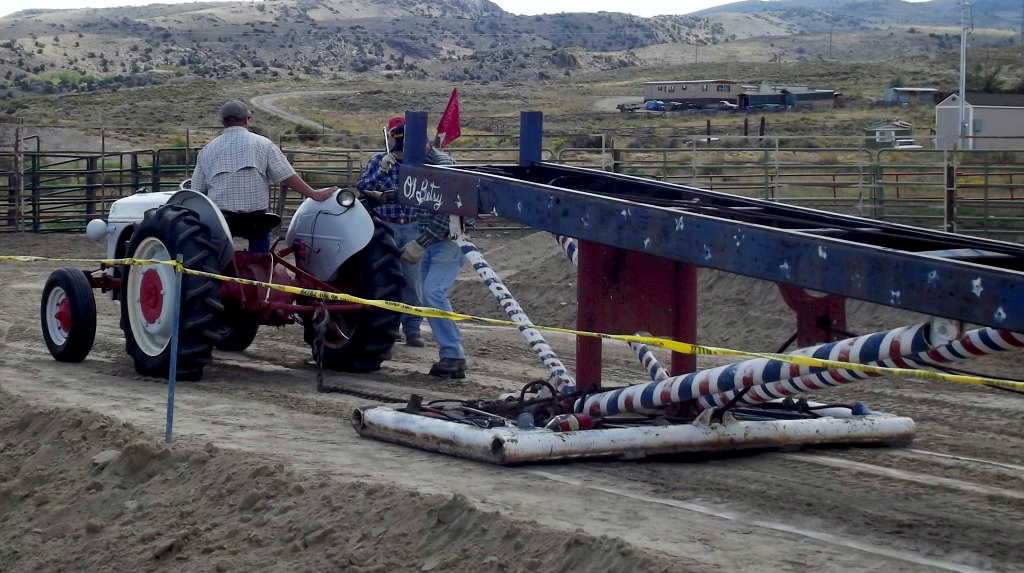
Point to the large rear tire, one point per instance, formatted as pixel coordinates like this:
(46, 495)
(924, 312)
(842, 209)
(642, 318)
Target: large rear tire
(148, 294)
(68, 315)
(373, 273)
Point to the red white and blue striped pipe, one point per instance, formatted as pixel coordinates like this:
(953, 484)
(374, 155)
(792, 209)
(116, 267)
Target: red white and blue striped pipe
(568, 245)
(870, 348)
(972, 344)
(559, 378)
(650, 363)
(643, 353)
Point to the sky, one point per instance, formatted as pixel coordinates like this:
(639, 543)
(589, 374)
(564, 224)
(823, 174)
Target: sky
(527, 7)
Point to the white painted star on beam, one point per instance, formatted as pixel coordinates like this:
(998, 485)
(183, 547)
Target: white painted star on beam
(933, 278)
(494, 211)
(738, 237)
(784, 267)
(894, 297)
(585, 219)
(647, 242)
(976, 287)
(626, 213)
(519, 206)
(680, 224)
(822, 252)
(1000, 315)
(458, 201)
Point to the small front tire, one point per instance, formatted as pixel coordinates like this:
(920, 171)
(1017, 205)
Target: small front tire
(68, 315)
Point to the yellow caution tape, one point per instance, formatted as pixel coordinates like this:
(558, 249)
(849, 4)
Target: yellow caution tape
(673, 345)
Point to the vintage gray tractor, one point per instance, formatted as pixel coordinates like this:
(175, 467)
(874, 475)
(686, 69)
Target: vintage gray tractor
(334, 245)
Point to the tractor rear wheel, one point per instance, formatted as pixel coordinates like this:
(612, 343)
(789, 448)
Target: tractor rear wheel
(148, 294)
(364, 339)
(68, 314)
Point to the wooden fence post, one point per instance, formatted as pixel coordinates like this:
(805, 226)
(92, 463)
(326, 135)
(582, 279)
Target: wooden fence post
(155, 186)
(36, 207)
(17, 193)
(136, 176)
(878, 188)
(949, 212)
(91, 166)
(767, 177)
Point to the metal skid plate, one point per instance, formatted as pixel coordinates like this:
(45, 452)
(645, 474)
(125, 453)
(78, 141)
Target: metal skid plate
(511, 446)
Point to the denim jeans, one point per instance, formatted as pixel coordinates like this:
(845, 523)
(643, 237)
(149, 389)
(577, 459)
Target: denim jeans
(260, 243)
(439, 267)
(411, 272)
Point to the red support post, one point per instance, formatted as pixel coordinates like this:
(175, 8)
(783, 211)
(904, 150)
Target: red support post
(820, 318)
(623, 292)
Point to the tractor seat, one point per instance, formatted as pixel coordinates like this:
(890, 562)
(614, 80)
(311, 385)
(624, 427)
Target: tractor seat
(246, 225)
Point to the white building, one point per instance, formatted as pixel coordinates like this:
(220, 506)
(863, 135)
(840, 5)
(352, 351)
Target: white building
(994, 121)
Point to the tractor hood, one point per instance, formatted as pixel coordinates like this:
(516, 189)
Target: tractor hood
(130, 209)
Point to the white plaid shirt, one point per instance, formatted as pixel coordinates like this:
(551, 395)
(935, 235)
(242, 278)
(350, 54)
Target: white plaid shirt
(237, 168)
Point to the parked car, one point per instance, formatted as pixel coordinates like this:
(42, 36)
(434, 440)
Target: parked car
(906, 144)
(654, 105)
(727, 106)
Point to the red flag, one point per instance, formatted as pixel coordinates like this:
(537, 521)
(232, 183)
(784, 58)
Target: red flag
(450, 128)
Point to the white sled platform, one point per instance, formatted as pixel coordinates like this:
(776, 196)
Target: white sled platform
(512, 445)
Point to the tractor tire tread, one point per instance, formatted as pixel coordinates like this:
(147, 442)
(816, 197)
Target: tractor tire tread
(182, 233)
(381, 278)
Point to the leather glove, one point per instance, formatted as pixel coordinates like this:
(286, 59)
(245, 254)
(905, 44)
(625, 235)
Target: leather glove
(412, 251)
(377, 196)
(387, 162)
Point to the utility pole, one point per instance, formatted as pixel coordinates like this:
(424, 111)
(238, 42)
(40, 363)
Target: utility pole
(695, 51)
(964, 8)
(830, 41)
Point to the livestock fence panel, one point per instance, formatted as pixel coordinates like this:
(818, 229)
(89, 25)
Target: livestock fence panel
(974, 192)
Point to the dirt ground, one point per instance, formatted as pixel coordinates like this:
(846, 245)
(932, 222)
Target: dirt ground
(267, 475)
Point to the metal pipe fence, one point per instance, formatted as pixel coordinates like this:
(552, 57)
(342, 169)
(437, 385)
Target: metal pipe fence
(973, 192)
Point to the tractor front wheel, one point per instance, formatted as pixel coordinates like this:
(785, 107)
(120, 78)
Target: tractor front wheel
(68, 313)
(148, 294)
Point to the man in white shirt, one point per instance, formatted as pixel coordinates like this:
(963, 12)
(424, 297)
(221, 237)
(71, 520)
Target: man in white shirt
(236, 170)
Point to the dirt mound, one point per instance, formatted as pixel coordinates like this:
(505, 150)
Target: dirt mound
(81, 491)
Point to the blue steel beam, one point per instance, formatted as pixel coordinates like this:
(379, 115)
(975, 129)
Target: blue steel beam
(923, 283)
(742, 236)
(772, 214)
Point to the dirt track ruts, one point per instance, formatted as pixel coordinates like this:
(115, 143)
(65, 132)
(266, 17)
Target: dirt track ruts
(833, 510)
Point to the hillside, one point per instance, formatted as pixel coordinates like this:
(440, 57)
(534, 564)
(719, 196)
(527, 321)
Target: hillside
(54, 51)
(818, 15)
(449, 39)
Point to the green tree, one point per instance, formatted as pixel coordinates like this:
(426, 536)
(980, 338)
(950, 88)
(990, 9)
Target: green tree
(984, 77)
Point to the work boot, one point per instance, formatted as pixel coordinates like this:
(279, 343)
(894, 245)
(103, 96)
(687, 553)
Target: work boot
(414, 339)
(449, 368)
